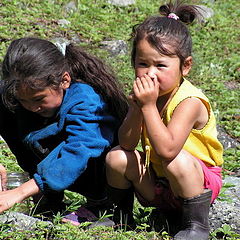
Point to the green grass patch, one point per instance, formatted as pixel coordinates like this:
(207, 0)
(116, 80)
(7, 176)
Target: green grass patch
(216, 71)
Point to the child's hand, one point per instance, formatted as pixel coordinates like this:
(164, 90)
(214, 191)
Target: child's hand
(9, 198)
(3, 178)
(146, 90)
(132, 100)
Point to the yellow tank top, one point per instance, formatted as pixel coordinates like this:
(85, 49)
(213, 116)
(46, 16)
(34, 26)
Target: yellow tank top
(202, 143)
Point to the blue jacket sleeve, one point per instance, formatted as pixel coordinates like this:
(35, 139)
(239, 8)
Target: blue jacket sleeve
(89, 132)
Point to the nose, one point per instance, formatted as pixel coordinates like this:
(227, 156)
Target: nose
(32, 107)
(35, 109)
(152, 71)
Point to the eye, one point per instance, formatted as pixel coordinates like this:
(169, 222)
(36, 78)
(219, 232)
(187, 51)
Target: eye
(160, 65)
(22, 101)
(142, 64)
(39, 99)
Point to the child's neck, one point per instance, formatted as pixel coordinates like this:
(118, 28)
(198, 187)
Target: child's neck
(164, 100)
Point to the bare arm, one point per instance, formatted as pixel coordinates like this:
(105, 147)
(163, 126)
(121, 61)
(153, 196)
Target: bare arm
(168, 140)
(130, 130)
(10, 197)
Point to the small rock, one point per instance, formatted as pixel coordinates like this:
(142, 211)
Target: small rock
(227, 212)
(121, 2)
(115, 47)
(226, 140)
(70, 7)
(22, 221)
(76, 39)
(63, 22)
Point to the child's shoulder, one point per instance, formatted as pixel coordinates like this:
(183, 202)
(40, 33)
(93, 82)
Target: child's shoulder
(82, 89)
(188, 89)
(80, 97)
(82, 93)
(81, 85)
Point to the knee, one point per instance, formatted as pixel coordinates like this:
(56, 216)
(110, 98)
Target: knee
(126, 163)
(116, 158)
(179, 165)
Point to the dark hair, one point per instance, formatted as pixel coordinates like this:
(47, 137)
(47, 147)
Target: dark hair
(161, 31)
(38, 63)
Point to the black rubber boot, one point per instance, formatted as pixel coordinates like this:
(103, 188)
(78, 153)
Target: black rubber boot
(49, 204)
(99, 207)
(195, 221)
(123, 200)
(165, 221)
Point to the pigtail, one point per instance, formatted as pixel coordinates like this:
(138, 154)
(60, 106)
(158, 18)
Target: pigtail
(185, 13)
(91, 70)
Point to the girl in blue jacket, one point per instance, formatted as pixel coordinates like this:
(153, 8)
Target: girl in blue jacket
(60, 112)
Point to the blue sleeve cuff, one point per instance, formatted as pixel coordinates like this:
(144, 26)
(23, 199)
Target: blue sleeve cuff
(39, 181)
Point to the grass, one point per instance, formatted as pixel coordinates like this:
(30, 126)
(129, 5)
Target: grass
(216, 66)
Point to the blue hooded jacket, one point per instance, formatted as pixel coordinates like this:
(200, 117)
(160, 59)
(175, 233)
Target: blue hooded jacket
(83, 129)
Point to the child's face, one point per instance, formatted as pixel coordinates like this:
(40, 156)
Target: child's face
(43, 102)
(165, 68)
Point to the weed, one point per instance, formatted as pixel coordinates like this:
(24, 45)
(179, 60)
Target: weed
(225, 232)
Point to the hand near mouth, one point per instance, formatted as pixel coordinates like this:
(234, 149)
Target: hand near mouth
(146, 90)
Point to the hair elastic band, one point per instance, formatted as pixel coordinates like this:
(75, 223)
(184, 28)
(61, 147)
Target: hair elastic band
(173, 15)
(61, 47)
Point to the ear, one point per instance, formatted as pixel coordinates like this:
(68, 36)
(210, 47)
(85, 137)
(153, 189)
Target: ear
(66, 81)
(187, 65)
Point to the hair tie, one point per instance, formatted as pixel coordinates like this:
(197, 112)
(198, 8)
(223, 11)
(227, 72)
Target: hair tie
(173, 15)
(61, 47)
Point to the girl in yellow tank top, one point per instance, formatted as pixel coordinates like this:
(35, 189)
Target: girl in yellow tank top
(179, 170)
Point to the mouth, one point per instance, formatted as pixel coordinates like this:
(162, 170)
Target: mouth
(46, 114)
(43, 113)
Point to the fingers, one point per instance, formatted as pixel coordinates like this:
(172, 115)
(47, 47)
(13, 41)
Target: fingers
(152, 81)
(146, 90)
(3, 178)
(4, 206)
(145, 84)
(155, 82)
(140, 85)
(136, 84)
(131, 100)
(8, 199)
(131, 97)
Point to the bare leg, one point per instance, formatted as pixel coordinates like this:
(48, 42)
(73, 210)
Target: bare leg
(185, 175)
(126, 169)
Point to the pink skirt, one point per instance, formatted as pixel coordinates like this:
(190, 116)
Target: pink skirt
(164, 198)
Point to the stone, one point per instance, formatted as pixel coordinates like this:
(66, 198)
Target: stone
(115, 47)
(70, 7)
(63, 22)
(226, 140)
(121, 2)
(227, 211)
(21, 221)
